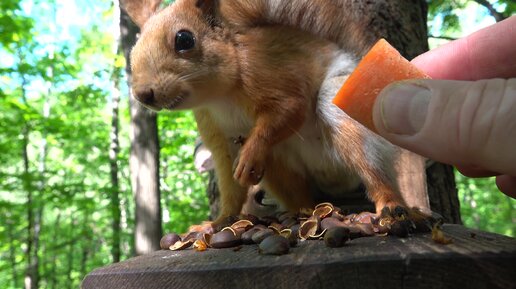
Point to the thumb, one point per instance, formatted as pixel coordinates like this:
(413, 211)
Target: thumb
(467, 123)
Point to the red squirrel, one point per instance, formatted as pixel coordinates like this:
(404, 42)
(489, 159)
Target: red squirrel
(246, 74)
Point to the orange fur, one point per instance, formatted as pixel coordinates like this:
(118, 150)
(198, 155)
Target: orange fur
(342, 22)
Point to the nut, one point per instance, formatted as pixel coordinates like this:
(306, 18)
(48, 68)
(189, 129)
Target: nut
(247, 236)
(365, 217)
(275, 227)
(330, 223)
(224, 239)
(169, 240)
(438, 235)
(288, 222)
(274, 245)
(336, 237)
(259, 236)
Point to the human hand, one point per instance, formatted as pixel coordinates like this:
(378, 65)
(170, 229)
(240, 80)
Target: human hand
(468, 120)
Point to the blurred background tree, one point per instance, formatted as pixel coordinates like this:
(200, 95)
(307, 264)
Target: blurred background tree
(60, 73)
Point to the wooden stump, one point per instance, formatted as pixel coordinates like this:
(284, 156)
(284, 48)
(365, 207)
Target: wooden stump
(474, 260)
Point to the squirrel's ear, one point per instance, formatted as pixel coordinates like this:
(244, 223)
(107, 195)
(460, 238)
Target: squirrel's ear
(140, 10)
(209, 10)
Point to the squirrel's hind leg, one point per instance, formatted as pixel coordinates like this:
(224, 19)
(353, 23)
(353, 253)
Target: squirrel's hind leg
(372, 159)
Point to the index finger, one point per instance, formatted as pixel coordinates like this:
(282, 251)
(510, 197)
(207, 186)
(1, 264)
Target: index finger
(487, 53)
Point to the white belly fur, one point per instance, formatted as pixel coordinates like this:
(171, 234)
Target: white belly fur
(309, 151)
(314, 155)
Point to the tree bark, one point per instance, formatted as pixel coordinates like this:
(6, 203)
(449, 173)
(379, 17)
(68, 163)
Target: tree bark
(12, 249)
(442, 192)
(213, 195)
(144, 158)
(113, 165)
(53, 271)
(86, 247)
(31, 279)
(70, 255)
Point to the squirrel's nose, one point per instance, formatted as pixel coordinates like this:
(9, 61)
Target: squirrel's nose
(145, 96)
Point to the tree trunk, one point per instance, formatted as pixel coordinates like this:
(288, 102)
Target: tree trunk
(144, 158)
(53, 271)
(213, 195)
(12, 249)
(442, 192)
(70, 255)
(113, 165)
(86, 247)
(31, 279)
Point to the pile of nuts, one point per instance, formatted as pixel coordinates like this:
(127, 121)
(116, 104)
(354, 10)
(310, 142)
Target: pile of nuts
(275, 235)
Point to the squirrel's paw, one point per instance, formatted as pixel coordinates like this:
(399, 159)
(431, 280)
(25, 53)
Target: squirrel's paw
(249, 167)
(403, 221)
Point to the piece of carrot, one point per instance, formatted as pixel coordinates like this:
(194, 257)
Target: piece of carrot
(382, 65)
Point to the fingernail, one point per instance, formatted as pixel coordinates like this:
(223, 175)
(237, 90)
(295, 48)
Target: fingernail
(404, 107)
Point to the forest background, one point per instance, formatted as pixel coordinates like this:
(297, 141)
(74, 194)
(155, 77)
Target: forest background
(65, 124)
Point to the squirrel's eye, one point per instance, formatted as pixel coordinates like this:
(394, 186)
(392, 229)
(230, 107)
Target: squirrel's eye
(184, 41)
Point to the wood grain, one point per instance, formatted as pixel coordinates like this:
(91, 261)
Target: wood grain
(474, 260)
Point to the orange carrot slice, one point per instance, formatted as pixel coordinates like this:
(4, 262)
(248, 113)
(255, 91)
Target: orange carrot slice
(382, 65)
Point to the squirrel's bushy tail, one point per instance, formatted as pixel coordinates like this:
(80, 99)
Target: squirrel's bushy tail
(339, 21)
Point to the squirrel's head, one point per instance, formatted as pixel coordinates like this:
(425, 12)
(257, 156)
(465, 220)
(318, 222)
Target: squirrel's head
(183, 57)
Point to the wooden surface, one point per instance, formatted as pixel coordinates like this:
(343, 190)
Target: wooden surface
(474, 260)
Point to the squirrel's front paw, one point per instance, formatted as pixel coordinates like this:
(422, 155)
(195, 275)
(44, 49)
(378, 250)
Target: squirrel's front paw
(249, 166)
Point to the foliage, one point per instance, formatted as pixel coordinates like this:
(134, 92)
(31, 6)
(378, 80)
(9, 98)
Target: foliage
(484, 207)
(57, 76)
(183, 189)
(444, 15)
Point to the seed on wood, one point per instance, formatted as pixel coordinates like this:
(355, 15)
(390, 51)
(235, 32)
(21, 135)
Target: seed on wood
(330, 223)
(259, 236)
(169, 240)
(439, 237)
(224, 239)
(274, 245)
(336, 237)
(247, 236)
